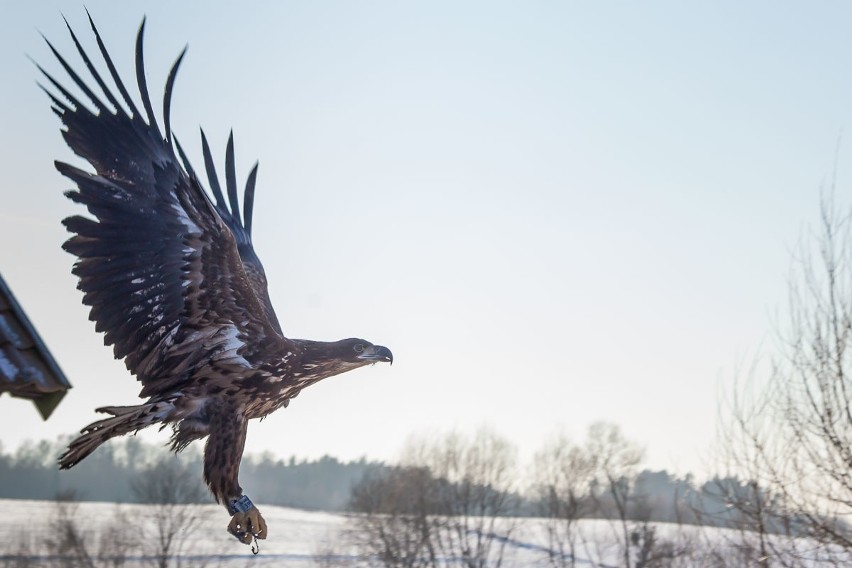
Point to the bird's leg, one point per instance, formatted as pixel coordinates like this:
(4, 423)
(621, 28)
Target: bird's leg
(246, 521)
(222, 457)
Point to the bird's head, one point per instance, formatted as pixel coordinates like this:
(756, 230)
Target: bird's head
(323, 359)
(361, 351)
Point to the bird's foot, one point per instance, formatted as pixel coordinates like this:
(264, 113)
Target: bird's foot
(247, 524)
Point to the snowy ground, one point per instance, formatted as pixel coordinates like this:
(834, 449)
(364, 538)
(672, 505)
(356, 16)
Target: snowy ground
(297, 536)
(304, 538)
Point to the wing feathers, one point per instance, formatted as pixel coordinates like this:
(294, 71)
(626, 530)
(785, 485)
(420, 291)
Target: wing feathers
(186, 165)
(65, 93)
(231, 178)
(112, 71)
(58, 107)
(212, 178)
(167, 99)
(129, 268)
(74, 77)
(157, 264)
(248, 199)
(141, 82)
(230, 214)
(97, 76)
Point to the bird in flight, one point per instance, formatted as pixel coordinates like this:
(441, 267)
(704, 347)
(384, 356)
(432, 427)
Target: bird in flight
(173, 282)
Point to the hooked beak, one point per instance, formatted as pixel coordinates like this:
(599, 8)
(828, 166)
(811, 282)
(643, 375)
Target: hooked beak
(376, 353)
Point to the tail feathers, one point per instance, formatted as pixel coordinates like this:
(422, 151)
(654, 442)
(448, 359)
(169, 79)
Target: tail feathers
(124, 419)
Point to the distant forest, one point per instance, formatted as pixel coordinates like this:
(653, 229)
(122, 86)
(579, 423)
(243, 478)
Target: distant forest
(327, 483)
(109, 473)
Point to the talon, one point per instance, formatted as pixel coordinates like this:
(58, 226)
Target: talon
(248, 525)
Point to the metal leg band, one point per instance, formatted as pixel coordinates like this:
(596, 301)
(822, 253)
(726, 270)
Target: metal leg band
(241, 504)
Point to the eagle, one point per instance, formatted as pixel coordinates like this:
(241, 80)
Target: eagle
(172, 280)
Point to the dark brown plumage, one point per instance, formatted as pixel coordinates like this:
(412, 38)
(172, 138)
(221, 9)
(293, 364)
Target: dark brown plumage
(174, 284)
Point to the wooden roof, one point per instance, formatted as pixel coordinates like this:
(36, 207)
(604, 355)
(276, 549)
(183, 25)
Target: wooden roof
(27, 369)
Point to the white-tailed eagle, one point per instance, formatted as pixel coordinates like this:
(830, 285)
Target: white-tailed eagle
(174, 283)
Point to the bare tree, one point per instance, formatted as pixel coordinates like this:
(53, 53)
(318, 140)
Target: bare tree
(117, 540)
(599, 478)
(792, 434)
(173, 494)
(398, 520)
(68, 542)
(562, 472)
(615, 460)
(476, 493)
(450, 501)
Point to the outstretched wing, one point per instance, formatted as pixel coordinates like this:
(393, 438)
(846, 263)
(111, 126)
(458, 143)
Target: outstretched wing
(229, 211)
(158, 265)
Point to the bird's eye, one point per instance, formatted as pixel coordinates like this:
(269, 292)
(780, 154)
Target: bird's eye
(358, 348)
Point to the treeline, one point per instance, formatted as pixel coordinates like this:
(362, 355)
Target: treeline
(109, 474)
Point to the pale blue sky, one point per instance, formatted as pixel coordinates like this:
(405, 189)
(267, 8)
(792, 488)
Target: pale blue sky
(552, 212)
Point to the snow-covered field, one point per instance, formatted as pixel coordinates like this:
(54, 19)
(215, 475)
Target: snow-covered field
(295, 535)
(305, 538)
